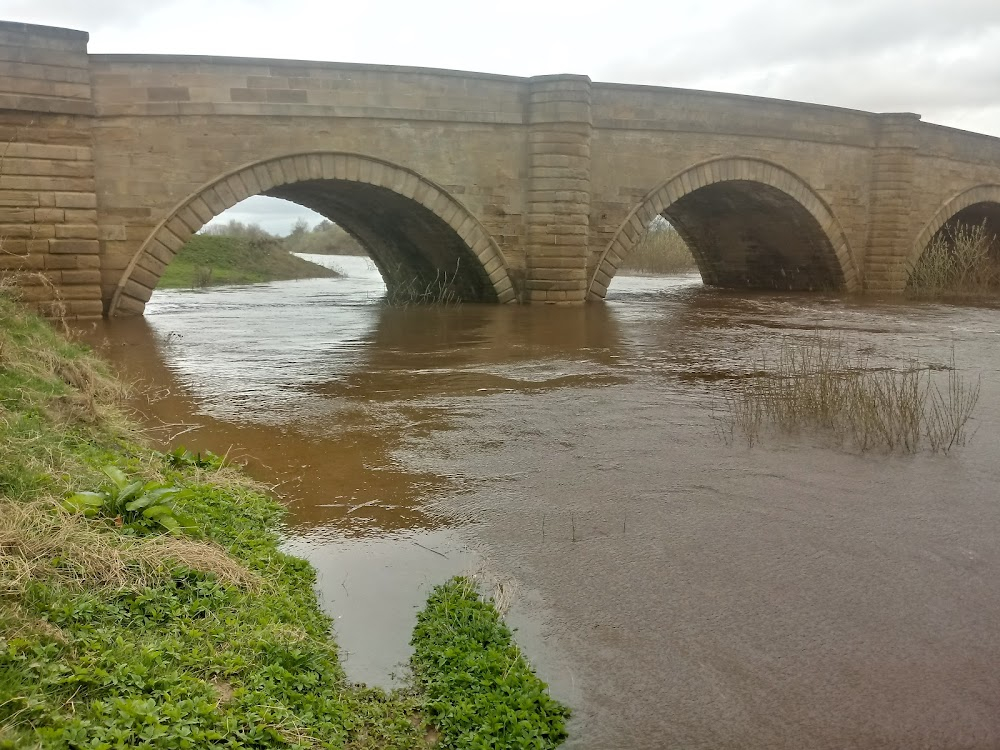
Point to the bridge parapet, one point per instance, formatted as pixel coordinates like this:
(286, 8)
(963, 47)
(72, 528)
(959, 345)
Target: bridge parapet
(152, 85)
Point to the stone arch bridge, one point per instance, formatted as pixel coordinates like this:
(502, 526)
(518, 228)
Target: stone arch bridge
(508, 189)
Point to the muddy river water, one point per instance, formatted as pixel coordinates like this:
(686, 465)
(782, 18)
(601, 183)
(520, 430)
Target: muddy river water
(677, 588)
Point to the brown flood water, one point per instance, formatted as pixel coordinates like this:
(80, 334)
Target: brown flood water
(678, 591)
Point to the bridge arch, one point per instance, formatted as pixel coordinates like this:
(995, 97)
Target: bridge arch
(786, 235)
(415, 231)
(972, 206)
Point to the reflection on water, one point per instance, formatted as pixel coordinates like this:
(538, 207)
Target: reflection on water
(676, 590)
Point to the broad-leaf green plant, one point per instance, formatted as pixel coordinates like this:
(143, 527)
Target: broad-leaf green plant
(142, 506)
(181, 458)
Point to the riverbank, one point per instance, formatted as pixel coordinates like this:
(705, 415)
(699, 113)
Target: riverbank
(210, 260)
(144, 600)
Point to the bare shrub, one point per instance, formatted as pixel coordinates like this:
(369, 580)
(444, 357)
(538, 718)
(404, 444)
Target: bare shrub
(660, 251)
(202, 277)
(961, 260)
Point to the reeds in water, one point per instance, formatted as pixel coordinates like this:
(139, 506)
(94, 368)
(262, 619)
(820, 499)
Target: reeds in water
(821, 385)
(440, 291)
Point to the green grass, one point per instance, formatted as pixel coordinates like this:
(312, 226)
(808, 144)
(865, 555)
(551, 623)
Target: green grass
(209, 260)
(463, 649)
(115, 636)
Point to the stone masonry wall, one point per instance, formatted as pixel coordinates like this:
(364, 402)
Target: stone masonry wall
(100, 151)
(462, 131)
(48, 206)
(558, 206)
(891, 202)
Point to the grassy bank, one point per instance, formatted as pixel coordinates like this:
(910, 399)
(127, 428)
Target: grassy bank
(462, 648)
(144, 601)
(208, 260)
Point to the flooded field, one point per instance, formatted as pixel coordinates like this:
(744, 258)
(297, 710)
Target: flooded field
(676, 587)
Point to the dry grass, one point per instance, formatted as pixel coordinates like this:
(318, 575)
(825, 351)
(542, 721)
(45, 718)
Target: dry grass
(820, 384)
(961, 260)
(660, 251)
(15, 622)
(41, 541)
(26, 346)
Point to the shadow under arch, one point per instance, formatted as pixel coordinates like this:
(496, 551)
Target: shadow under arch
(749, 223)
(415, 231)
(973, 206)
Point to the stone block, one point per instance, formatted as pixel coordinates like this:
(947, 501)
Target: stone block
(82, 247)
(47, 215)
(76, 231)
(16, 216)
(84, 309)
(76, 200)
(61, 262)
(168, 94)
(85, 276)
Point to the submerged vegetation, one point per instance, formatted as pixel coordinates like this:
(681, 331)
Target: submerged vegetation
(209, 259)
(961, 261)
(115, 634)
(660, 251)
(439, 291)
(822, 385)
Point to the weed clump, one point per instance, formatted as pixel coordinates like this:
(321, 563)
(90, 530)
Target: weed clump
(820, 384)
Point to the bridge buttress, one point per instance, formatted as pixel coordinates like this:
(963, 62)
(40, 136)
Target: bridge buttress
(558, 199)
(890, 217)
(49, 231)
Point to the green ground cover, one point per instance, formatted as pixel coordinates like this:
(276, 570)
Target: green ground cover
(209, 260)
(158, 611)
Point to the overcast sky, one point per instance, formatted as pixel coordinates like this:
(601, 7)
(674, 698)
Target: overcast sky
(940, 58)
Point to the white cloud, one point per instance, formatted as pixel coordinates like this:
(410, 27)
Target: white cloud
(273, 215)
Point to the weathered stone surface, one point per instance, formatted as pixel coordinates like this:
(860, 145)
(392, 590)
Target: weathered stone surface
(531, 189)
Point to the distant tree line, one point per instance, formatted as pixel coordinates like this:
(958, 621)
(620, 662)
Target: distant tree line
(326, 238)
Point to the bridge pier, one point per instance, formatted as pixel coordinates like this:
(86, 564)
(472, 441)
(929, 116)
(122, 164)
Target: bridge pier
(49, 229)
(558, 195)
(890, 218)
